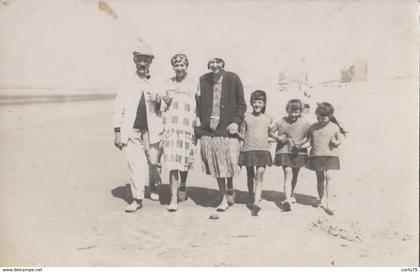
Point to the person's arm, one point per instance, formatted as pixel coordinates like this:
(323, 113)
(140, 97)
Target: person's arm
(241, 133)
(197, 106)
(155, 96)
(272, 130)
(240, 102)
(282, 138)
(194, 120)
(166, 101)
(336, 139)
(118, 115)
(159, 104)
(240, 107)
(304, 142)
(198, 132)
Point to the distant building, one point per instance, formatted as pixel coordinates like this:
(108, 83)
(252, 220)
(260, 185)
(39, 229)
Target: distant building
(355, 72)
(292, 80)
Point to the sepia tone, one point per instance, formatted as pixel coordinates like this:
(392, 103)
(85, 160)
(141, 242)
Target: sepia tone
(64, 186)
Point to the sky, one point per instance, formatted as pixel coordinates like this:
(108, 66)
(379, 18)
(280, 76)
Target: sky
(73, 44)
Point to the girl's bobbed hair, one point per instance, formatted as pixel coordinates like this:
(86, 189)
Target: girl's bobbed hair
(259, 95)
(325, 109)
(294, 104)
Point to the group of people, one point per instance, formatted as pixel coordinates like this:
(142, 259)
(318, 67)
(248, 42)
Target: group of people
(159, 127)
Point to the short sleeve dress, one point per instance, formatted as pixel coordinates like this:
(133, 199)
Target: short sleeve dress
(179, 121)
(323, 156)
(255, 150)
(297, 131)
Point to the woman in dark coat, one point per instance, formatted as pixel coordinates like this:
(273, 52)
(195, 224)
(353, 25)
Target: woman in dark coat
(220, 109)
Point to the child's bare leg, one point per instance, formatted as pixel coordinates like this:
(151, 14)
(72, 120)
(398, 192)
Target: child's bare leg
(222, 188)
(320, 184)
(182, 194)
(295, 171)
(229, 184)
(173, 179)
(259, 183)
(287, 185)
(230, 193)
(250, 175)
(184, 175)
(328, 191)
(258, 190)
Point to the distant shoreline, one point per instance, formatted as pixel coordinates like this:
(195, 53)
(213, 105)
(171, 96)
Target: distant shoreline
(8, 100)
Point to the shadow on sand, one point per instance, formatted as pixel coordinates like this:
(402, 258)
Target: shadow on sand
(278, 197)
(124, 193)
(206, 197)
(200, 196)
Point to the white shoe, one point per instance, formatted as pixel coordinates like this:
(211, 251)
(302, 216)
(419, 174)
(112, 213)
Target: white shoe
(134, 206)
(173, 206)
(222, 207)
(154, 196)
(322, 203)
(292, 199)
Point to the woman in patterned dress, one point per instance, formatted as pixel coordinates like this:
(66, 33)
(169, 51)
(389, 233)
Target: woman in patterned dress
(179, 121)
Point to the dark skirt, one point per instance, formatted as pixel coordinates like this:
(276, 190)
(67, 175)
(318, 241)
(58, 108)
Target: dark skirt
(291, 160)
(324, 163)
(255, 158)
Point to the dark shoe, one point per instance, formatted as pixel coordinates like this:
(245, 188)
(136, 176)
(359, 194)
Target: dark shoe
(286, 206)
(330, 211)
(250, 202)
(255, 210)
(327, 209)
(230, 196)
(182, 194)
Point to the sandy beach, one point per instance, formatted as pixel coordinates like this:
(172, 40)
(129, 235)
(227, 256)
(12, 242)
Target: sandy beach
(64, 187)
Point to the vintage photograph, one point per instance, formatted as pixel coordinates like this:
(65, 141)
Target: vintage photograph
(226, 133)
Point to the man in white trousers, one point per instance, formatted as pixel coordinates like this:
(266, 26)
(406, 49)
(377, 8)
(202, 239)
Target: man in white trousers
(138, 127)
